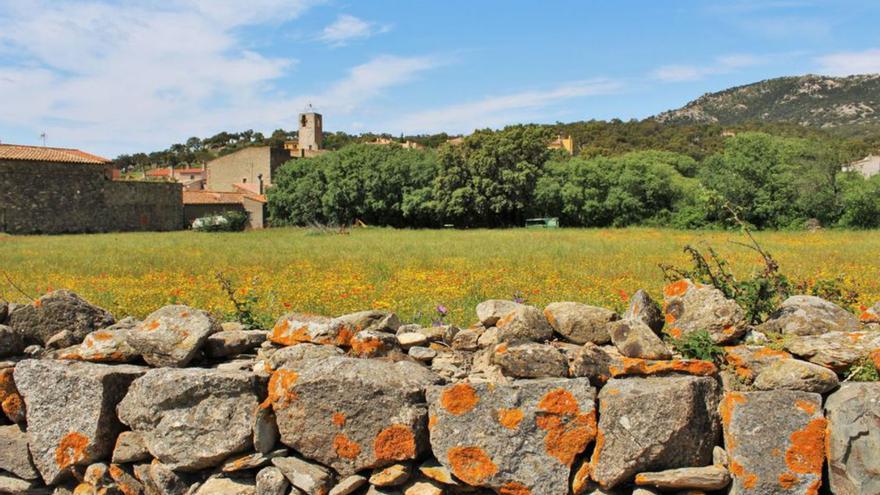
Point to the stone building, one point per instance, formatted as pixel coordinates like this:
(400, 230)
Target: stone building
(193, 179)
(868, 166)
(198, 204)
(253, 168)
(59, 190)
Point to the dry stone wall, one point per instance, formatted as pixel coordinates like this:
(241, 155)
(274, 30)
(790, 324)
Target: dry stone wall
(571, 399)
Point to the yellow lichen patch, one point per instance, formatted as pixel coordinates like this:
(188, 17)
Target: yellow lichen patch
(345, 447)
(280, 393)
(510, 418)
(459, 399)
(71, 450)
(338, 419)
(471, 464)
(805, 454)
(514, 488)
(568, 431)
(676, 289)
(395, 443)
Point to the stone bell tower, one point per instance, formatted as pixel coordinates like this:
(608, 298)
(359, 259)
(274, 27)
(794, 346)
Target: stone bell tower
(311, 133)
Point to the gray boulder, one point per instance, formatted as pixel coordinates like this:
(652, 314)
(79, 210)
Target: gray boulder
(103, 346)
(292, 357)
(635, 339)
(71, 411)
(809, 315)
(227, 486)
(654, 424)
(271, 481)
(233, 342)
(310, 478)
(11, 343)
(530, 360)
(297, 328)
(352, 414)
(580, 323)
(373, 343)
(594, 362)
(794, 374)
(130, 447)
(374, 320)
(524, 323)
(693, 307)
(854, 439)
(748, 361)
(709, 478)
(775, 441)
(517, 438)
(54, 312)
(489, 312)
(834, 350)
(643, 308)
(10, 485)
(14, 455)
(172, 335)
(191, 419)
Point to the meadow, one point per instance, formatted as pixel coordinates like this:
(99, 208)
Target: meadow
(411, 272)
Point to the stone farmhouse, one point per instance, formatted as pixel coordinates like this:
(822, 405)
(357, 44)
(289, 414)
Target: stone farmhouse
(868, 166)
(59, 190)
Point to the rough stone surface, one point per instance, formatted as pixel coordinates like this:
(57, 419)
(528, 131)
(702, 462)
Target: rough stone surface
(130, 447)
(643, 308)
(352, 414)
(233, 342)
(708, 478)
(489, 312)
(11, 343)
(635, 339)
(835, 350)
(348, 485)
(265, 430)
(14, 455)
(644, 367)
(312, 479)
(868, 316)
(292, 357)
(693, 307)
(594, 362)
(747, 361)
(854, 439)
(192, 418)
(71, 411)
(373, 343)
(103, 346)
(172, 335)
(524, 323)
(794, 374)
(652, 424)
(775, 441)
(511, 437)
(11, 402)
(393, 475)
(227, 486)
(809, 315)
(56, 311)
(254, 460)
(530, 360)
(374, 320)
(468, 339)
(271, 481)
(580, 323)
(409, 339)
(296, 328)
(424, 354)
(14, 486)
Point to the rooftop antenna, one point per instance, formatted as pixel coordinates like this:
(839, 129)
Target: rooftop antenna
(43, 137)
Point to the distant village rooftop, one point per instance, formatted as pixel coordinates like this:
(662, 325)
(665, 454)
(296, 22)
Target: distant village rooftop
(45, 154)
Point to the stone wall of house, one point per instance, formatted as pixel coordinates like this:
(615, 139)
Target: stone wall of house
(244, 166)
(55, 198)
(569, 400)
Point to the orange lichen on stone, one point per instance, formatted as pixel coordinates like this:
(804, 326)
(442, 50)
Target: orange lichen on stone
(38, 303)
(636, 366)
(366, 347)
(581, 478)
(459, 399)
(279, 387)
(471, 464)
(550, 318)
(501, 349)
(514, 488)
(99, 335)
(766, 352)
(506, 320)
(728, 404)
(855, 337)
(13, 407)
(875, 358)
(510, 418)
(787, 480)
(153, 325)
(124, 481)
(749, 480)
(345, 447)
(868, 316)
(597, 450)
(338, 419)
(805, 406)
(284, 335)
(568, 431)
(676, 289)
(432, 421)
(395, 443)
(71, 450)
(806, 453)
(344, 337)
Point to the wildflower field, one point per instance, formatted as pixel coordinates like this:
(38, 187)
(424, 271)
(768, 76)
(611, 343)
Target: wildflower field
(412, 272)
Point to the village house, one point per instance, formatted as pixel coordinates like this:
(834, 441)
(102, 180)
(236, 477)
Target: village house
(410, 145)
(193, 179)
(198, 204)
(251, 169)
(562, 143)
(868, 166)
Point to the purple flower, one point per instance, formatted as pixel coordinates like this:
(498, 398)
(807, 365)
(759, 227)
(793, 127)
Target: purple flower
(442, 309)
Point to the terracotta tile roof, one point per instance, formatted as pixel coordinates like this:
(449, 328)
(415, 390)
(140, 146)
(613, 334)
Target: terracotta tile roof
(247, 188)
(159, 172)
(44, 154)
(218, 198)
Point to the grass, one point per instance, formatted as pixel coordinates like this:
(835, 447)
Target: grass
(407, 271)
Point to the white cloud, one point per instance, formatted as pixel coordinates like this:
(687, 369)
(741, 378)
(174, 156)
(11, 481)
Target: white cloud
(495, 111)
(138, 76)
(848, 63)
(347, 28)
(721, 65)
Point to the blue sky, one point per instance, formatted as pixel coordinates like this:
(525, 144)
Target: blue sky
(116, 77)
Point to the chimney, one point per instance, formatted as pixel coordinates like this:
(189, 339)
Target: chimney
(260, 180)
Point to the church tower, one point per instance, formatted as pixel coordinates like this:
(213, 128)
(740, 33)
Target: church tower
(311, 133)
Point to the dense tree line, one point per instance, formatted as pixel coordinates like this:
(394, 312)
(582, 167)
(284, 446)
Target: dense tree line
(500, 178)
